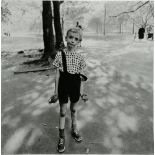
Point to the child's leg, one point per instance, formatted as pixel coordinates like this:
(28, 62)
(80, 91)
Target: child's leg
(63, 108)
(73, 108)
(75, 132)
(61, 143)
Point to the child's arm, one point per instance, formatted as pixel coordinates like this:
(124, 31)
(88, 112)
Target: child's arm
(82, 83)
(56, 81)
(83, 95)
(54, 97)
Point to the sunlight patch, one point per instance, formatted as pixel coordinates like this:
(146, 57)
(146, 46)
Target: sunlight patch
(100, 102)
(117, 142)
(27, 110)
(6, 120)
(114, 112)
(38, 101)
(34, 95)
(49, 92)
(81, 124)
(115, 87)
(14, 122)
(111, 71)
(35, 133)
(98, 72)
(129, 110)
(109, 121)
(88, 113)
(10, 107)
(114, 131)
(37, 112)
(16, 140)
(38, 88)
(127, 123)
(48, 81)
(93, 63)
(28, 97)
(113, 143)
(107, 142)
(102, 81)
(43, 105)
(112, 100)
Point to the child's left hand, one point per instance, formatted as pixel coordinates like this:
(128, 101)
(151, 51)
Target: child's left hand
(83, 77)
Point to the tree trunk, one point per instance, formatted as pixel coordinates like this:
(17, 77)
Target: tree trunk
(57, 24)
(48, 36)
(133, 27)
(62, 27)
(104, 18)
(120, 28)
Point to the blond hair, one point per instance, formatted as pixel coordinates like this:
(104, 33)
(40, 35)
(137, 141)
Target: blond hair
(75, 30)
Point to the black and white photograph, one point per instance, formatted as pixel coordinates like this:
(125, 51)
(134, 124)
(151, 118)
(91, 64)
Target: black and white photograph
(77, 77)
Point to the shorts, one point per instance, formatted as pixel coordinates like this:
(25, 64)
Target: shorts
(69, 87)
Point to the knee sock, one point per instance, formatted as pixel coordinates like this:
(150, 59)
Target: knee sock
(61, 133)
(74, 126)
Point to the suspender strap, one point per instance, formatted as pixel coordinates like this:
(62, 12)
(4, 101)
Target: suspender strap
(64, 61)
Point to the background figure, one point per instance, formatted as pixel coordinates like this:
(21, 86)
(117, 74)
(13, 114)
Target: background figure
(141, 33)
(149, 32)
(81, 29)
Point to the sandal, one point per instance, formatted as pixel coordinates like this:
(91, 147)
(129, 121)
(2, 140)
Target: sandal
(84, 97)
(76, 136)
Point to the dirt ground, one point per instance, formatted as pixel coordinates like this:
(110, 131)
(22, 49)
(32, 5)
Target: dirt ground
(117, 119)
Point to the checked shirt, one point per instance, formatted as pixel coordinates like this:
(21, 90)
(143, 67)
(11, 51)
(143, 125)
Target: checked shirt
(75, 62)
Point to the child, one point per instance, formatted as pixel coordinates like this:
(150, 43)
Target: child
(68, 84)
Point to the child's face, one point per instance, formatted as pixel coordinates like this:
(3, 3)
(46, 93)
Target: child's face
(72, 39)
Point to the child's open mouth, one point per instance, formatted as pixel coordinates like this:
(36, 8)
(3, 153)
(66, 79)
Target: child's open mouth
(71, 44)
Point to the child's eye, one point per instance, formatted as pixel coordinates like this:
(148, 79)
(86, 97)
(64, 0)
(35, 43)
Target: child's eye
(70, 37)
(76, 39)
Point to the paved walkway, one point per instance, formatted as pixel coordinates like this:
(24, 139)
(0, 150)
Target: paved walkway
(117, 119)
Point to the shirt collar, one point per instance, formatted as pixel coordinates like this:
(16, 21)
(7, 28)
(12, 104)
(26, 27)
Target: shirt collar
(68, 52)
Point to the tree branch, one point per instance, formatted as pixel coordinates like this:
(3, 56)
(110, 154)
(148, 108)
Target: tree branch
(131, 10)
(152, 10)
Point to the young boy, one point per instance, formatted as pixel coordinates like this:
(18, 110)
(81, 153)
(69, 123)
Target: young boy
(68, 84)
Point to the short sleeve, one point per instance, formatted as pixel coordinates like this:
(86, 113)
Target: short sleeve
(57, 60)
(82, 64)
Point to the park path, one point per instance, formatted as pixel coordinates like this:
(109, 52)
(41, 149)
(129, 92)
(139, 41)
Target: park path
(117, 119)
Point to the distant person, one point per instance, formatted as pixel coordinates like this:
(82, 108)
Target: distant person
(69, 65)
(150, 35)
(7, 34)
(135, 35)
(150, 32)
(81, 30)
(141, 33)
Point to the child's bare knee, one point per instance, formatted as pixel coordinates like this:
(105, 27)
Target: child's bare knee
(62, 112)
(72, 109)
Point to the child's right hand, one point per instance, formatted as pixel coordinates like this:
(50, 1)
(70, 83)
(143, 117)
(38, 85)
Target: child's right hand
(84, 97)
(53, 99)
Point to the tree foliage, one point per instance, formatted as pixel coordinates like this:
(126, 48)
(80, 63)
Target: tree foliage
(74, 11)
(140, 11)
(5, 12)
(28, 14)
